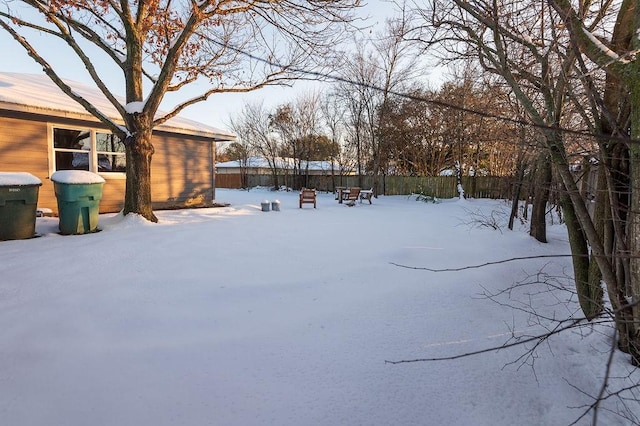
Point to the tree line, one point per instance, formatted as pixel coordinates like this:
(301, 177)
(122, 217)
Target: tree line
(380, 117)
(406, 135)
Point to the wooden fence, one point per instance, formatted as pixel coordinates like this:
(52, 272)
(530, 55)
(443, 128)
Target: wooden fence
(438, 186)
(228, 181)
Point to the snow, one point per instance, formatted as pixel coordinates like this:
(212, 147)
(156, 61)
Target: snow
(18, 179)
(603, 48)
(134, 107)
(235, 316)
(76, 177)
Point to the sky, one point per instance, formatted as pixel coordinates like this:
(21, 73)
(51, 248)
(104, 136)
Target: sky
(217, 111)
(235, 316)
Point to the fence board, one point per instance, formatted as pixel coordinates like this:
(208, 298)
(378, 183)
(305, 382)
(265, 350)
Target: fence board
(228, 181)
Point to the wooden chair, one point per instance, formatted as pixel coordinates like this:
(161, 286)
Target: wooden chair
(308, 196)
(352, 196)
(366, 195)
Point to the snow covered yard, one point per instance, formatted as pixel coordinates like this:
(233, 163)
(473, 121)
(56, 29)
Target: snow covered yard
(234, 316)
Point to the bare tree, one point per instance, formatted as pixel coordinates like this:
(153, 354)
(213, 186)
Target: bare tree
(397, 57)
(523, 43)
(162, 47)
(240, 152)
(253, 128)
(381, 66)
(332, 117)
(298, 125)
(611, 43)
(540, 52)
(358, 91)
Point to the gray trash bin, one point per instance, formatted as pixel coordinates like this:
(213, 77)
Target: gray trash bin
(265, 206)
(18, 204)
(275, 206)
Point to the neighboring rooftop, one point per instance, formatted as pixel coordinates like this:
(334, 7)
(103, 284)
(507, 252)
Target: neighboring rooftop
(282, 163)
(36, 93)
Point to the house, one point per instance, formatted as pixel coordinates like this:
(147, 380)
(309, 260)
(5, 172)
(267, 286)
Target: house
(43, 130)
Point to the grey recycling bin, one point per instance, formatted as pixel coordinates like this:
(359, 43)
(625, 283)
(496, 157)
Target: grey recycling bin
(18, 205)
(265, 205)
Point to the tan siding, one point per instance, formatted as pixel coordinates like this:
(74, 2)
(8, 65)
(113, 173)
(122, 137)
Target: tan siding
(23, 145)
(112, 195)
(182, 172)
(23, 148)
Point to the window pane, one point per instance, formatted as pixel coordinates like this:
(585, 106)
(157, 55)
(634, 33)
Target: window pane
(111, 153)
(108, 142)
(72, 148)
(80, 161)
(111, 163)
(119, 163)
(72, 160)
(71, 139)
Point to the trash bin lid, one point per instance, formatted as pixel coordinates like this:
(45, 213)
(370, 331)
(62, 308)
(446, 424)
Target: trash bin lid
(18, 179)
(76, 177)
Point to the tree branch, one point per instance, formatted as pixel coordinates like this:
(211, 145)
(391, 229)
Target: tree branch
(497, 262)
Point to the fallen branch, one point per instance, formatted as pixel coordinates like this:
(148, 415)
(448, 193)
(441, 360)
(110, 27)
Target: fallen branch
(573, 323)
(497, 262)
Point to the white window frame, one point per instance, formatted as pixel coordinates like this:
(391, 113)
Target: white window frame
(93, 153)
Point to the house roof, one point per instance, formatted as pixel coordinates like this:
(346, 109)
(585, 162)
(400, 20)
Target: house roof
(281, 163)
(36, 93)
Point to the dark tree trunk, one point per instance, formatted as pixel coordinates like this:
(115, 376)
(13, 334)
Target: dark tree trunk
(139, 151)
(542, 186)
(590, 293)
(517, 189)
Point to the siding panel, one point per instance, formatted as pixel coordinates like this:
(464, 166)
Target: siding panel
(182, 172)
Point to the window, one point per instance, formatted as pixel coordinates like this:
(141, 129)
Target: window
(87, 149)
(111, 154)
(71, 149)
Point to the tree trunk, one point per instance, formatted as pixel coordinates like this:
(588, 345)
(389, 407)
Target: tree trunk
(515, 204)
(540, 199)
(601, 216)
(520, 167)
(590, 294)
(633, 233)
(615, 289)
(139, 150)
(623, 40)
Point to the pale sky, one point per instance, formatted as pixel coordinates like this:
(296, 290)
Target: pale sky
(217, 111)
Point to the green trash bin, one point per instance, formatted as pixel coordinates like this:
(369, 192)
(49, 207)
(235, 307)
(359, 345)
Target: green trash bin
(18, 205)
(78, 193)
